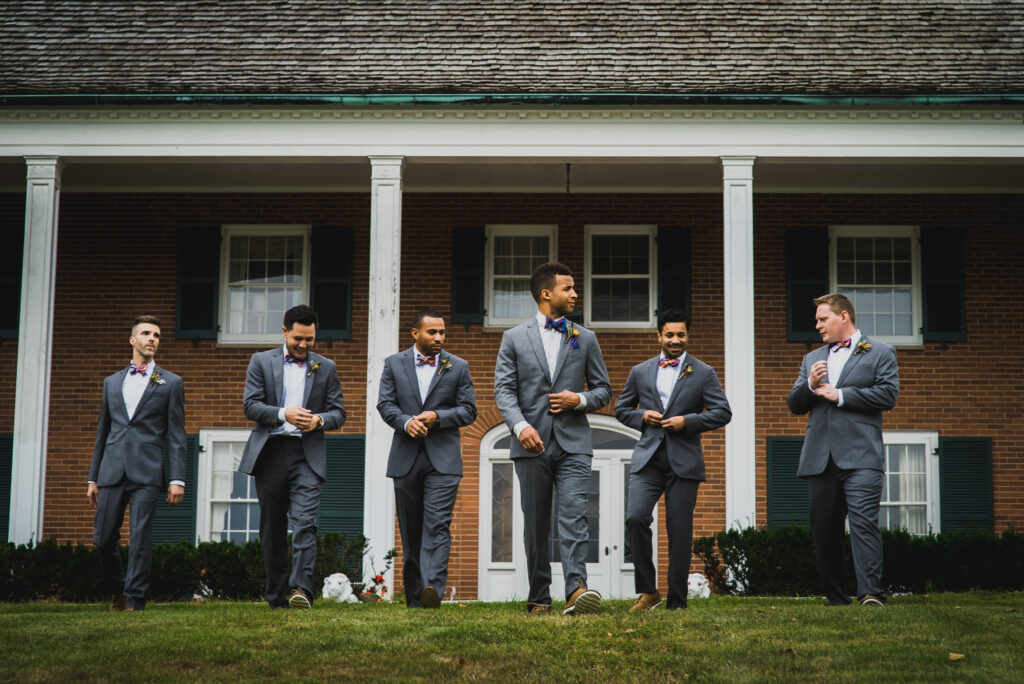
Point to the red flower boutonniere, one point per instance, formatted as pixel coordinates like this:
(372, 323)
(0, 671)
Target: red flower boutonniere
(155, 378)
(687, 370)
(863, 347)
(314, 366)
(445, 365)
(572, 335)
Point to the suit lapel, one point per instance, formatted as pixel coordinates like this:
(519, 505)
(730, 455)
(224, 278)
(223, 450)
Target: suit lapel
(409, 368)
(307, 388)
(436, 377)
(277, 372)
(118, 394)
(681, 379)
(150, 388)
(533, 334)
(851, 362)
(563, 349)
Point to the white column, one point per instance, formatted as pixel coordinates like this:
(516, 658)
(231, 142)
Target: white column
(35, 337)
(382, 331)
(738, 198)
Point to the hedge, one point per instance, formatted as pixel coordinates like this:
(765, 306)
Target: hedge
(71, 572)
(780, 562)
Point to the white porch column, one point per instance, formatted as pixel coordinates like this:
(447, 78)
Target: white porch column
(35, 337)
(738, 198)
(382, 331)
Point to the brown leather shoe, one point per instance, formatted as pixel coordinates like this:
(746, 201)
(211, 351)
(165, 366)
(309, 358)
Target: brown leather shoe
(298, 599)
(646, 602)
(582, 601)
(117, 603)
(871, 600)
(429, 597)
(537, 608)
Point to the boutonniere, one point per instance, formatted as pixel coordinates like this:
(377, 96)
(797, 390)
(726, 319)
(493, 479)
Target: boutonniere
(155, 378)
(863, 347)
(572, 335)
(314, 366)
(687, 370)
(446, 364)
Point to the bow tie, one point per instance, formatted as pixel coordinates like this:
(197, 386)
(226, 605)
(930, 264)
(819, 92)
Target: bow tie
(426, 360)
(668, 362)
(141, 370)
(288, 358)
(558, 325)
(842, 345)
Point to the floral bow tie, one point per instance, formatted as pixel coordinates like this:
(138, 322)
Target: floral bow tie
(842, 345)
(141, 370)
(288, 358)
(558, 325)
(426, 360)
(668, 362)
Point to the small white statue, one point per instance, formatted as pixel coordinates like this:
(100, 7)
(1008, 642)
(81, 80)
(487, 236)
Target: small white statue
(697, 586)
(338, 588)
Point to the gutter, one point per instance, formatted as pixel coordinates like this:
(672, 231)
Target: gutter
(507, 99)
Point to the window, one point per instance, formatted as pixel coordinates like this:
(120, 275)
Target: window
(620, 275)
(226, 507)
(910, 490)
(265, 272)
(878, 268)
(512, 254)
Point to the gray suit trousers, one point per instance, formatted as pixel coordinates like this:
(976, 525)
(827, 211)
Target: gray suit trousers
(110, 505)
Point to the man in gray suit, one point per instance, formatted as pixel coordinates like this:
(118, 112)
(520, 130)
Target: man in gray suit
(671, 399)
(294, 396)
(845, 386)
(426, 395)
(143, 407)
(548, 376)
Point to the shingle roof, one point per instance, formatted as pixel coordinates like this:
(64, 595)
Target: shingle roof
(824, 47)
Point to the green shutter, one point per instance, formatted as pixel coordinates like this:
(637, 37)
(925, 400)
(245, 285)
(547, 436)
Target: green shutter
(13, 236)
(965, 484)
(468, 256)
(942, 279)
(178, 523)
(6, 468)
(806, 278)
(331, 281)
(198, 282)
(788, 501)
(341, 498)
(673, 268)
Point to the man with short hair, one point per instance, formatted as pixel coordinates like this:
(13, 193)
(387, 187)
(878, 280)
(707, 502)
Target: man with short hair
(426, 395)
(143, 407)
(294, 396)
(671, 399)
(549, 374)
(845, 385)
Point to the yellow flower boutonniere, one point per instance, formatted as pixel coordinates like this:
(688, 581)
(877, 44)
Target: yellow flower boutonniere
(314, 366)
(155, 378)
(863, 347)
(572, 336)
(686, 371)
(446, 364)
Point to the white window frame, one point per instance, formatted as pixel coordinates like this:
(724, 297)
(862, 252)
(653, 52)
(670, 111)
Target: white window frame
(227, 233)
(916, 301)
(652, 291)
(507, 230)
(930, 440)
(204, 476)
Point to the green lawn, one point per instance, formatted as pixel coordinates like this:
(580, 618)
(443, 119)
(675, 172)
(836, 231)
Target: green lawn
(719, 639)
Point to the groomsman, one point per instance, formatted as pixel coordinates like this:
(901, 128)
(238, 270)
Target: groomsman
(426, 395)
(548, 376)
(294, 396)
(671, 399)
(143, 407)
(845, 385)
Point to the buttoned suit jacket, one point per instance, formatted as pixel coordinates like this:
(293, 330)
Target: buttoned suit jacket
(264, 392)
(450, 395)
(697, 396)
(133, 447)
(522, 384)
(852, 433)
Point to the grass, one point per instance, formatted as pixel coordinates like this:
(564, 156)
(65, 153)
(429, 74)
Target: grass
(718, 639)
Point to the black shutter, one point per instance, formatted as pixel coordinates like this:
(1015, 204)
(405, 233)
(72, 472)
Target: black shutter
(6, 469)
(788, 500)
(673, 268)
(965, 484)
(331, 281)
(198, 280)
(341, 498)
(806, 278)
(468, 256)
(13, 237)
(942, 276)
(178, 523)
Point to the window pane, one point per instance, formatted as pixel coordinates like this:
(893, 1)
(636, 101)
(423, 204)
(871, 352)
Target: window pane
(622, 300)
(501, 513)
(901, 249)
(863, 249)
(844, 249)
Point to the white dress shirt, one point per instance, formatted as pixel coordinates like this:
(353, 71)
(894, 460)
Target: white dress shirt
(550, 339)
(425, 374)
(836, 361)
(294, 378)
(667, 378)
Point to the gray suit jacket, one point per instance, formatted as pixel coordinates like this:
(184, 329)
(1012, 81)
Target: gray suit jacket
(450, 395)
(134, 448)
(696, 396)
(851, 434)
(522, 385)
(264, 389)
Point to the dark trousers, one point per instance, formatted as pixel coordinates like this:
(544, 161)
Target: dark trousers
(424, 501)
(110, 507)
(287, 489)
(835, 495)
(645, 487)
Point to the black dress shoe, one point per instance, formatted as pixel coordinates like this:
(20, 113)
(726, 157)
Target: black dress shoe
(429, 597)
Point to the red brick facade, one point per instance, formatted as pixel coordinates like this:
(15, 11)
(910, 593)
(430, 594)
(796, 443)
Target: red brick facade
(117, 257)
